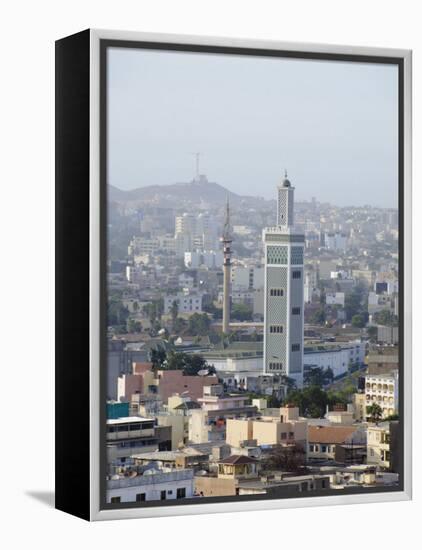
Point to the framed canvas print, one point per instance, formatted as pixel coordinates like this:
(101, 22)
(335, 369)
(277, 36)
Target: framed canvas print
(233, 275)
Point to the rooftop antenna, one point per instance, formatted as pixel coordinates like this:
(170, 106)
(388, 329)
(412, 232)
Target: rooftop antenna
(197, 156)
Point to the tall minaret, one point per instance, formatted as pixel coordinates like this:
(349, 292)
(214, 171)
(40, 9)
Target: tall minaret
(226, 240)
(283, 309)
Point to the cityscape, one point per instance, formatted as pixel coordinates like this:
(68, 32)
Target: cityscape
(253, 344)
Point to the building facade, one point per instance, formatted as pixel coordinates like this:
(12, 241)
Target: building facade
(284, 300)
(383, 389)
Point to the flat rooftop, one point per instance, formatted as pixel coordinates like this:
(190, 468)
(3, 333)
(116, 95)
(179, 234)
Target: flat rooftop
(128, 420)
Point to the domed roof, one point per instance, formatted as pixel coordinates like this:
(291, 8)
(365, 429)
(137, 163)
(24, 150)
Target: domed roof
(286, 182)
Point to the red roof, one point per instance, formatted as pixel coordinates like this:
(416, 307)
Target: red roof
(329, 434)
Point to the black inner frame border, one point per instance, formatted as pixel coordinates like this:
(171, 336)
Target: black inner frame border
(251, 52)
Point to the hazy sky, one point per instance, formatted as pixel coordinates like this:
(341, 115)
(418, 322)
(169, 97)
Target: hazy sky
(332, 125)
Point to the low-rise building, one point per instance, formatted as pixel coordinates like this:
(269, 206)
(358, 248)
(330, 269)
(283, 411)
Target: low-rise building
(323, 440)
(382, 445)
(285, 429)
(151, 485)
(383, 362)
(209, 425)
(128, 435)
(187, 302)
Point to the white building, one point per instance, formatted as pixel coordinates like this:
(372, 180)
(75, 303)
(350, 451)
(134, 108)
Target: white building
(140, 246)
(334, 298)
(310, 289)
(243, 278)
(187, 302)
(164, 484)
(383, 389)
(337, 356)
(336, 241)
(284, 303)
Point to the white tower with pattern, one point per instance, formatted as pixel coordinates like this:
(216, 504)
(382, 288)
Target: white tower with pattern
(283, 309)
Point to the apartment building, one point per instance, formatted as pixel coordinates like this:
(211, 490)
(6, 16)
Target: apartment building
(285, 429)
(383, 389)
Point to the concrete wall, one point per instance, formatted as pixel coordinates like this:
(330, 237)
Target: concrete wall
(214, 486)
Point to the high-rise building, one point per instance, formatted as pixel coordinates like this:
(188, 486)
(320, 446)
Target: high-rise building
(284, 303)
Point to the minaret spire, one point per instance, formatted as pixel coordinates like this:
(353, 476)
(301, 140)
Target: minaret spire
(226, 240)
(226, 229)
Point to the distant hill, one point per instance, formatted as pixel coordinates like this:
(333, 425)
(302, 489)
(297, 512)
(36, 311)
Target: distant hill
(197, 191)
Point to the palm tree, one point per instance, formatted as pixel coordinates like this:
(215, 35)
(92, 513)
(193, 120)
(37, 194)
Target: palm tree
(374, 411)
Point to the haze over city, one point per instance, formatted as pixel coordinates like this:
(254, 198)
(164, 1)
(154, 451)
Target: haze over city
(332, 125)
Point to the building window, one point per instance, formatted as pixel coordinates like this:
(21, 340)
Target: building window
(277, 254)
(283, 435)
(296, 255)
(295, 347)
(181, 493)
(276, 292)
(296, 274)
(295, 310)
(323, 449)
(115, 500)
(275, 366)
(276, 329)
(311, 448)
(163, 495)
(140, 497)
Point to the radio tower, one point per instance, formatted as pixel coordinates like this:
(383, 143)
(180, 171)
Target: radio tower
(226, 240)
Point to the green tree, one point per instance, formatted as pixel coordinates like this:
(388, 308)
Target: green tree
(358, 321)
(374, 411)
(354, 303)
(216, 312)
(179, 325)
(174, 312)
(312, 401)
(134, 326)
(318, 317)
(242, 312)
(318, 376)
(175, 361)
(372, 333)
(386, 318)
(117, 313)
(199, 324)
(157, 357)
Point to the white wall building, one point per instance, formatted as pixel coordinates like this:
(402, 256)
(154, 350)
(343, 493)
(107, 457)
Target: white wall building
(251, 278)
(152, 485)
(384, 390)
(188, 302)
(336, 241)
(334, 298)
(335, 356)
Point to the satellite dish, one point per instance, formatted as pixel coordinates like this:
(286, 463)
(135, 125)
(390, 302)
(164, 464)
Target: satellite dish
(203, 372)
